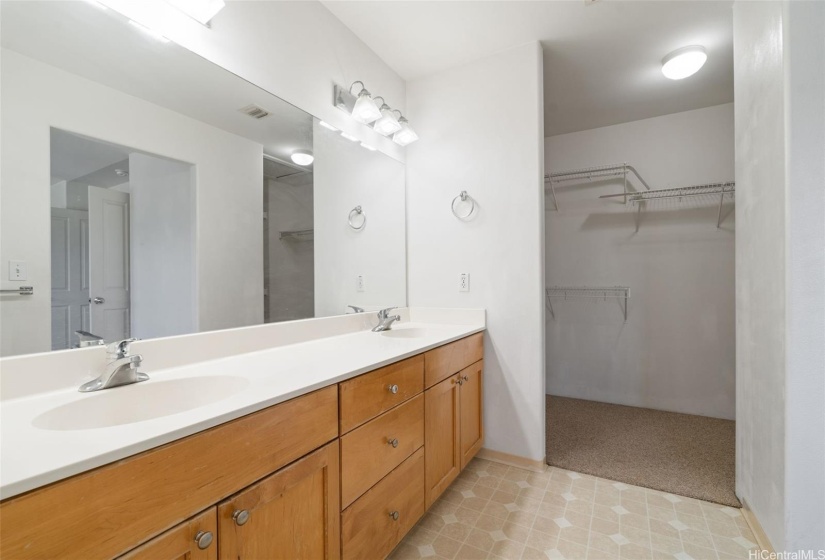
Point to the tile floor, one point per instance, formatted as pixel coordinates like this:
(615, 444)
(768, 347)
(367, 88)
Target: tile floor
(496, 511)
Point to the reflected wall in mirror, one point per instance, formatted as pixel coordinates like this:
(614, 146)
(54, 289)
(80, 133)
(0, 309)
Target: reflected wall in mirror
(138, 175)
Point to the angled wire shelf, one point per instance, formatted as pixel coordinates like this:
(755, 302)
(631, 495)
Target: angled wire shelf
(708, 189)
(594, 173)
(604, 293)
(298, 234)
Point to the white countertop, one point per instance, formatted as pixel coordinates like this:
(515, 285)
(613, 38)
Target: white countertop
(32, 456)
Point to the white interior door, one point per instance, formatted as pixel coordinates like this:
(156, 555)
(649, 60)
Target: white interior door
(70, 276)
(109, 263)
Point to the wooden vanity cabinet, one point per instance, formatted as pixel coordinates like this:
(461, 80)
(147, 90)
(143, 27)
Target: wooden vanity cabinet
(471, 424)
(293, 513)
(442, 430)
(195, 539)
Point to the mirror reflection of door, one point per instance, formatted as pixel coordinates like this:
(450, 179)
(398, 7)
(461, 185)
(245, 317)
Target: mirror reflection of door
(122, 242)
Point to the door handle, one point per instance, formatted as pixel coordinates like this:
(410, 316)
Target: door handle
(99, 300)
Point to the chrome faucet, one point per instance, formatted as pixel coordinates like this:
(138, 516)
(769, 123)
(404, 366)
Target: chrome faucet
(385, 320)
(122, 368)
(86, 339)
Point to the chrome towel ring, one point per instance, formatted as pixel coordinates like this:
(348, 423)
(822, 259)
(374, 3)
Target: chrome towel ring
(463, 197)
(357, 211)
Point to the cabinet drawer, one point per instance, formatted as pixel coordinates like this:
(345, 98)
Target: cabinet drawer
(368, 454)
(368, 395)
(369, 528)
(440, 363)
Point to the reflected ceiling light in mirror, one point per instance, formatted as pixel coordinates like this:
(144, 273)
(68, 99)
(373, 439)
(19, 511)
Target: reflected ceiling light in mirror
(406, 135)
(349, 136)
(367, 146)
(328, 126)
(201, 11)
(302, 157)
(684, 62)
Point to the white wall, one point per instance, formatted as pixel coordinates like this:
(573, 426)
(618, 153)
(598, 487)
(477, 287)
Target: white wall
(289, 263)
(347, 175)
(295, 50)
(677, 350)
(162, 247)
(780, 287)
(482, 125)
(36, 97)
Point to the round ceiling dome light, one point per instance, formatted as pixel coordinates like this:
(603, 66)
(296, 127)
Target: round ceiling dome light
(302, 157)
(684, 62)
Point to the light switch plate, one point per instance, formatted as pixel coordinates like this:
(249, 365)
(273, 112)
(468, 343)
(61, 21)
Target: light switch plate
(359, 283)
(18, 270)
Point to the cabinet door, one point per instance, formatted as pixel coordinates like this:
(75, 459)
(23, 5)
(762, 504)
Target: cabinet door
(293, 513)
(195, 539)
(472, 428)
(441, 437)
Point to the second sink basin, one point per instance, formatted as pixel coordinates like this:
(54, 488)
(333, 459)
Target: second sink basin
(142, 401)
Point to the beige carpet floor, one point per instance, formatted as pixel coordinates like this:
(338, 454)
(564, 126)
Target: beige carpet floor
(678, 453)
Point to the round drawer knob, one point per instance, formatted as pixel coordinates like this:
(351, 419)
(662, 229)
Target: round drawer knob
(465, 378)
(240, 516)
(393, 441)
(204, 539)
(394, 515)
(393, 389)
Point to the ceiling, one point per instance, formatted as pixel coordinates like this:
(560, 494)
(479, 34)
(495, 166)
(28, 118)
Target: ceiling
(602, 60)
(100, 45)
(77, 157)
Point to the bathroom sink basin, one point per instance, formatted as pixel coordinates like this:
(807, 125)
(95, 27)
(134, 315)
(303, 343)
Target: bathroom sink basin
(411, 332)
(139, 402)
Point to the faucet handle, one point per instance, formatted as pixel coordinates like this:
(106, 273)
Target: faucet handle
(120, 349)
(356, 309)
(384, 313)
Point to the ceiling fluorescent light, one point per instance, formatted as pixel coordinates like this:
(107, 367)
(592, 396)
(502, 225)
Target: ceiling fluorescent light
(327, 125)
(365, 110)
(388, 123)
(684, 62)
(406, 135)
(201, 11)
(302, 157)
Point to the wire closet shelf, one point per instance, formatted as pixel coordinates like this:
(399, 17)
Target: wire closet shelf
(594, 173)
(298, 234)
(708, 189)
(605, 293)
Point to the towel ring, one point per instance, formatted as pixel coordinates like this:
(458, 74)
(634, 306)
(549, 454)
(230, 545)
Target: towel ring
(464, 197)
(357, 211)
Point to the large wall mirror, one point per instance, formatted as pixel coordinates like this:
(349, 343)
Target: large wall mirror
(146, 192)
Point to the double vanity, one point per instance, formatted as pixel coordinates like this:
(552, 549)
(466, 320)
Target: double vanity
(332, 441)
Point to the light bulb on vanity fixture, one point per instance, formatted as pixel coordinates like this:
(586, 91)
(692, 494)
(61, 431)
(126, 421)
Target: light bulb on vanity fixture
(684, 62)
(388, 123)
(365, 110)
(302, 157)
(406, 135)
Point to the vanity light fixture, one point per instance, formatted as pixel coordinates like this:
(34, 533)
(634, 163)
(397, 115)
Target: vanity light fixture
(302, 157)
(349, 136)
(684, 62)
(328, 126)
(406, 135)
(365, 109)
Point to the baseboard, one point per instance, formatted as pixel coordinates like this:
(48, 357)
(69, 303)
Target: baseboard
(756, 527)
(511, 460)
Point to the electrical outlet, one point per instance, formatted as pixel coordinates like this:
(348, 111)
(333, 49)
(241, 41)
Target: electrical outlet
(17, 270)
(464, 282)
(359, 283)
